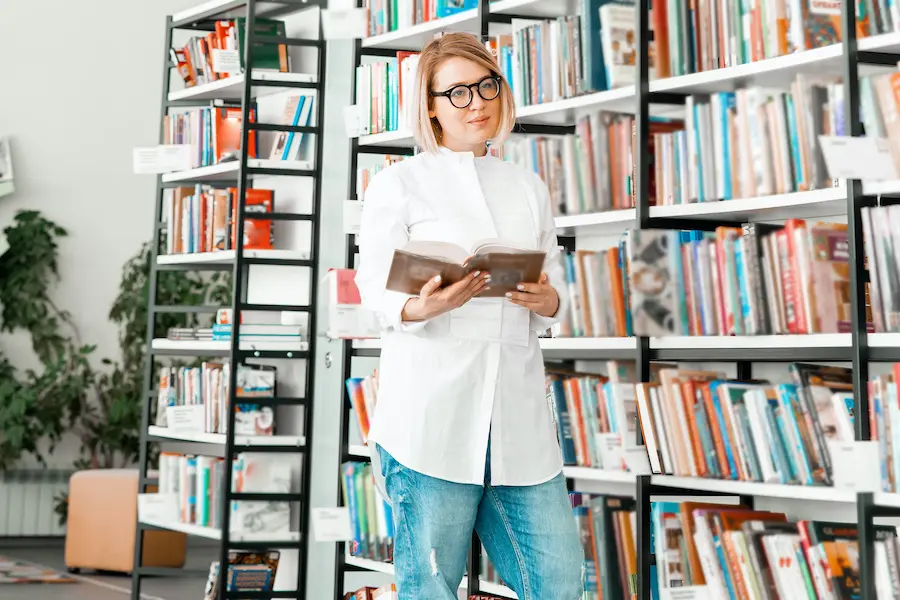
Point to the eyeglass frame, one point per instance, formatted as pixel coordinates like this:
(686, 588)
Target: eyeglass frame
(476, 85)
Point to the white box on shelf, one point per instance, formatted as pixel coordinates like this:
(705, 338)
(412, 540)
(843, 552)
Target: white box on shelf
(865, 158)
(346, 317)
(332, 524)
(856, 466)
(352, 216)
(186, 419)
(158, 508)
(164, 158)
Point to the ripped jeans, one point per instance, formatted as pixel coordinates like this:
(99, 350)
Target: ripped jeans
(529, 532)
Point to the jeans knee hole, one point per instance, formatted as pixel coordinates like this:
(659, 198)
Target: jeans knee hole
(435, 571)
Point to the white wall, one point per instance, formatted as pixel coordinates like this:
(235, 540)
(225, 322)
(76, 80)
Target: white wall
(80, 85)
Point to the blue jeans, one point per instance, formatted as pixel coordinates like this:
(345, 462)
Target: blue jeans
(529, 532)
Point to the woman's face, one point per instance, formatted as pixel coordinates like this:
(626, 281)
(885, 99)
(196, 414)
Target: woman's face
(468, 128)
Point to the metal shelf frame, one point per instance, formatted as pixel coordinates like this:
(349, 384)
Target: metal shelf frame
(204, 20)
(858, 353)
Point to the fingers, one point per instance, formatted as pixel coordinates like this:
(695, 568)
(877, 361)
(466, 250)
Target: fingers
(464, 290)
(534, 288)
(433, 284)
(525, 298)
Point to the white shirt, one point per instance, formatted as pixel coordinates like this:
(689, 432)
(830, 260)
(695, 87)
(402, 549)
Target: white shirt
(447, 384)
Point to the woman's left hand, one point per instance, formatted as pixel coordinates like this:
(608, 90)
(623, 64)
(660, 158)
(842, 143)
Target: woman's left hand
(540, 298)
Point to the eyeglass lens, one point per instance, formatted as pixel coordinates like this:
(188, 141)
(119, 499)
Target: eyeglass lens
(461, 95)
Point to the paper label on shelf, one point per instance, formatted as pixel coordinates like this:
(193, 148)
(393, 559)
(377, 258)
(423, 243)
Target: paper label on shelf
(688, 592)
(186, 419)
(158, 508)
(863, 158)
(345, 24)
(856, 466)
(352, 216)
(332, 524)
(226, 61)
(636, 460)
(610, 447)
(352, 120)
(154, 160)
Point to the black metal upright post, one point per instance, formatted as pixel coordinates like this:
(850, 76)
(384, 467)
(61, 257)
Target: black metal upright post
(641, 153)
(309, 385)
(860, 348)
(147, 388)
(858, 332)
(239, 276)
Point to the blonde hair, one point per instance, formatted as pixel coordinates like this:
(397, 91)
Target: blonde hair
(428, 131)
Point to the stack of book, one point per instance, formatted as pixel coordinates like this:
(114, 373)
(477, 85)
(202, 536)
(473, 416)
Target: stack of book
(365, 174)
(371, 517)
(597, 283)
(213, 133)
(692, 37)
(205, 388)
(595, 417)
(196, 60)
(881, 236)
(702, 424)
(204, 219)
(189, 333)
(363, 394)
(386, 16)
(385, 91)
(740, 553)
(259, 328)
(754, 280)
(884, 421)
(197, 482)
(247, 572)
(385, 592)
(591, 170)
(749, 143)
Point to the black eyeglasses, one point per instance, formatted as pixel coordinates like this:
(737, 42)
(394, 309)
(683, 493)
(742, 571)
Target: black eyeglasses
(461, 96)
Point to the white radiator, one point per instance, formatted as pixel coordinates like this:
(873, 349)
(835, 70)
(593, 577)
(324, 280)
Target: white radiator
(27, 501)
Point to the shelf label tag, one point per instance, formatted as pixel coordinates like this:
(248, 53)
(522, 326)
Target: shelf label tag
(226, 61)
(154, 160)
(345, 24)
(352, 120)
(186, 419)
(610, 448)
(332, 524)
(856, 466)
(863, 158)
(352, 216)
(158, 508)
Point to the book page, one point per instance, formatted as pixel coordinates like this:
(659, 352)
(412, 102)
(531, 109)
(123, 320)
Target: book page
(488, 246)
(440, 250)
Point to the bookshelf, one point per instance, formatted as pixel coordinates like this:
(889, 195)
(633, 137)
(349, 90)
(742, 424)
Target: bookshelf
(272, 284)
(848, 59)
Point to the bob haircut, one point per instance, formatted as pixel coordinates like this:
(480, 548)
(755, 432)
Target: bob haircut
(427, 131)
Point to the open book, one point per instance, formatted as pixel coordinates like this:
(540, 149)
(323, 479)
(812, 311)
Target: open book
(419, 261)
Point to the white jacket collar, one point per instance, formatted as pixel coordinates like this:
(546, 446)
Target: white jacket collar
(457, 156)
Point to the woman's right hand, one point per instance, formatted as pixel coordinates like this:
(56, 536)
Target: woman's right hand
(433, 301)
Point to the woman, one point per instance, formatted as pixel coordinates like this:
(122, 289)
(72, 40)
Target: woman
(463, 430)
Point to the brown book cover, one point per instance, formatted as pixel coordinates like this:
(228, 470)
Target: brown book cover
(419, 261)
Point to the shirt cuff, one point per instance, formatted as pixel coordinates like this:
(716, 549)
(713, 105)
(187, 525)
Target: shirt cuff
(393, 303)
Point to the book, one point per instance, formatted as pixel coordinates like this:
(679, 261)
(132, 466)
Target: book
(419, 261)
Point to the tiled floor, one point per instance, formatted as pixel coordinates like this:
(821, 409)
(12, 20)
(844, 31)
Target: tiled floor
(92, 586)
